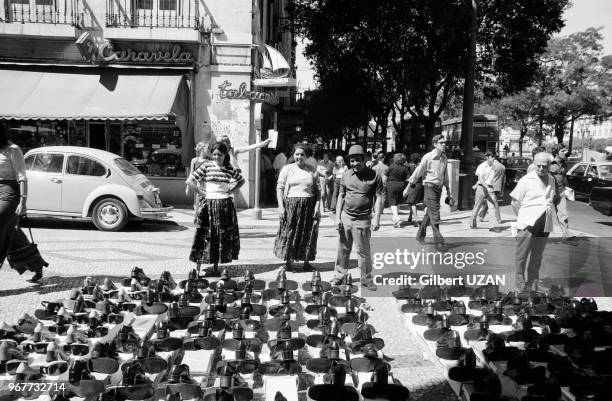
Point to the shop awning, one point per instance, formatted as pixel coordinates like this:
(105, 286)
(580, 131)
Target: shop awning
(107, 95)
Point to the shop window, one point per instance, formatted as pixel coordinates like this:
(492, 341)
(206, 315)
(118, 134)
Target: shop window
(20, 2)
(79, 165)
(167, 5)
(154, 148)
(44, 2)
(144, 4)
(48, 163)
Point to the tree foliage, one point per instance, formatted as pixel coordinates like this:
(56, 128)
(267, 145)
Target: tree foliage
(409, 56)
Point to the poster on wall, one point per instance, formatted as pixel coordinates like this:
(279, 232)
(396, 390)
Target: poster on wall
(231, 119)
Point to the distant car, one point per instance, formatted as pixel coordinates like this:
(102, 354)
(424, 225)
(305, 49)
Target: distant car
(516, 167)
(75, 181)
(583, 176)
(601, 200)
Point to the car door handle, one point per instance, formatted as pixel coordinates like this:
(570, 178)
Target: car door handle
(56, 180)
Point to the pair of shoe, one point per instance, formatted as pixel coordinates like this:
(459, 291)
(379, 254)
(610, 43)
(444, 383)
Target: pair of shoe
(397, 224)
(441, 247)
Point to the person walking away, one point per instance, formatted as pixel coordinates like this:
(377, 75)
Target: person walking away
(397, 177)
(299, 199)
(533, 200)
(354, 221)
(325, 170)
(499, 184)
(217, 237)
(202, 155)
(381, 168)
(339, 169)
(13, 197)
(558, 169)
(485, 192)
(415, 191)
(432, 169)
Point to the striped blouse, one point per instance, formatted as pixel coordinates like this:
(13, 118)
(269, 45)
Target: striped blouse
(215, 180)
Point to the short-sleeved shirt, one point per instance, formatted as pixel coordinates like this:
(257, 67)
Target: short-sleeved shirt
(297, 182)
(536, 199)
(486, 172)
(398, 172)
(12, 165)
(325, 168)
(216, 179)
(358, 191)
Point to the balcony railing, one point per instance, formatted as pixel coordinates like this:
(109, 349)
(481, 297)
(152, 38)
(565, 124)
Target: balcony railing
(152, 13)
(40, 11)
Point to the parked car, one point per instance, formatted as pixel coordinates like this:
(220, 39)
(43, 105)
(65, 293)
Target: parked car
(75, 181)
(516, 167)
(601, 200)
(583, 176)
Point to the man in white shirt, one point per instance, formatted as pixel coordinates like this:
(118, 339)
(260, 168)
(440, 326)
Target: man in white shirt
(488, 176)
(533, 200)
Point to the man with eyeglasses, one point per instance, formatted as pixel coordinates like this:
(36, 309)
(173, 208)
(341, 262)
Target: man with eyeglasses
(533, 200)
(432, 169)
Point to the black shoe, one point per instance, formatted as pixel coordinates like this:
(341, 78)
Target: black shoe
(36, 277)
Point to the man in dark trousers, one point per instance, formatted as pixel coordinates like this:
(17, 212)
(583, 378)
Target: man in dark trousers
(533, 200)
(432, 169)
(356, 194)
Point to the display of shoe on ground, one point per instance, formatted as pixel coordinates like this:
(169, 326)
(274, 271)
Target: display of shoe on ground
(76, 251)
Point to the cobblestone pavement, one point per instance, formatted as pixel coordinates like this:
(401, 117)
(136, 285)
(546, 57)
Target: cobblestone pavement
(75, 250)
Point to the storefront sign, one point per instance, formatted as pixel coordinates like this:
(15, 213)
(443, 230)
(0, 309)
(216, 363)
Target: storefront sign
(173, 56)
(243, 93)
(96, 49)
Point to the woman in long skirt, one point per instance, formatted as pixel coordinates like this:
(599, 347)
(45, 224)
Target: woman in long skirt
(299, 200)
(217, 238)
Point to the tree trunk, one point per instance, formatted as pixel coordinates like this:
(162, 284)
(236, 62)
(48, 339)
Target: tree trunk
(571, 136)
(521, 136)
(429, 123)
(560, 131)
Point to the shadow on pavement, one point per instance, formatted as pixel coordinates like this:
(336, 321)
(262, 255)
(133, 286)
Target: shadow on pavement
(87, 225)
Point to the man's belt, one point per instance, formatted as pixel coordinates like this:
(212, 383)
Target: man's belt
(431, 184)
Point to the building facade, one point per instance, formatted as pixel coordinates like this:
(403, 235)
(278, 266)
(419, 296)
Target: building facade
(146, 79)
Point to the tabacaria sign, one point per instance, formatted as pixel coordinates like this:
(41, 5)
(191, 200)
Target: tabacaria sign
(243, 93)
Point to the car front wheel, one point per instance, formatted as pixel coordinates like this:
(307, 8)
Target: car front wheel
(110, 214)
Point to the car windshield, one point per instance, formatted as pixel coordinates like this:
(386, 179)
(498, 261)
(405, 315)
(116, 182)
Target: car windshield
(126, 166)
(605, 171)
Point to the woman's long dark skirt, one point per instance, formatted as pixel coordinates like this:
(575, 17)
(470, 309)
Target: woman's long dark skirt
(217, 238)
(298, 231)
(9, 200)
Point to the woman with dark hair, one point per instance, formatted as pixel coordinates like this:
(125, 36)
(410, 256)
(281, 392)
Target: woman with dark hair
(415, 192)
(396, 182)
(217, 239)
(299, 200)
(339, 169)
(13, 196)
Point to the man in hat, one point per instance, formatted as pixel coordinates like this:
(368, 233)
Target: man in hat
(533, 200)
(432, 169)
(358, 187)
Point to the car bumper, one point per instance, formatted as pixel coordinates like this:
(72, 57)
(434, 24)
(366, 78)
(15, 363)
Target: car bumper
(156, 212)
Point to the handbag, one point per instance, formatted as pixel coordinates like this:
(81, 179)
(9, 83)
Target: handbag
(23, 254)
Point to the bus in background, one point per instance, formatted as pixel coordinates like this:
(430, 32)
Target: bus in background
(485, 137)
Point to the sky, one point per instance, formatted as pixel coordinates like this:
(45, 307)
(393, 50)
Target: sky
(590, 13)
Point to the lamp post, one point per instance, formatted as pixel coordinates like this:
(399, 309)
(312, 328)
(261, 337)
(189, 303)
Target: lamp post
(467, 122)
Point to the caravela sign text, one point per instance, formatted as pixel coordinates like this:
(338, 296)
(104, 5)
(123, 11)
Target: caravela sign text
(243, 93)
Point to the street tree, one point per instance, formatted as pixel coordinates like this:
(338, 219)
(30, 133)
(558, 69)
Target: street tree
(575, 80)
(412, 53)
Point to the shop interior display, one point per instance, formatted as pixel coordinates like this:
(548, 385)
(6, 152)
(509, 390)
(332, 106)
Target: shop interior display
(232, 339)
(514, 346)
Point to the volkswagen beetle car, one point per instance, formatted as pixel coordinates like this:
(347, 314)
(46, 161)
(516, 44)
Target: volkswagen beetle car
(82, 182)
